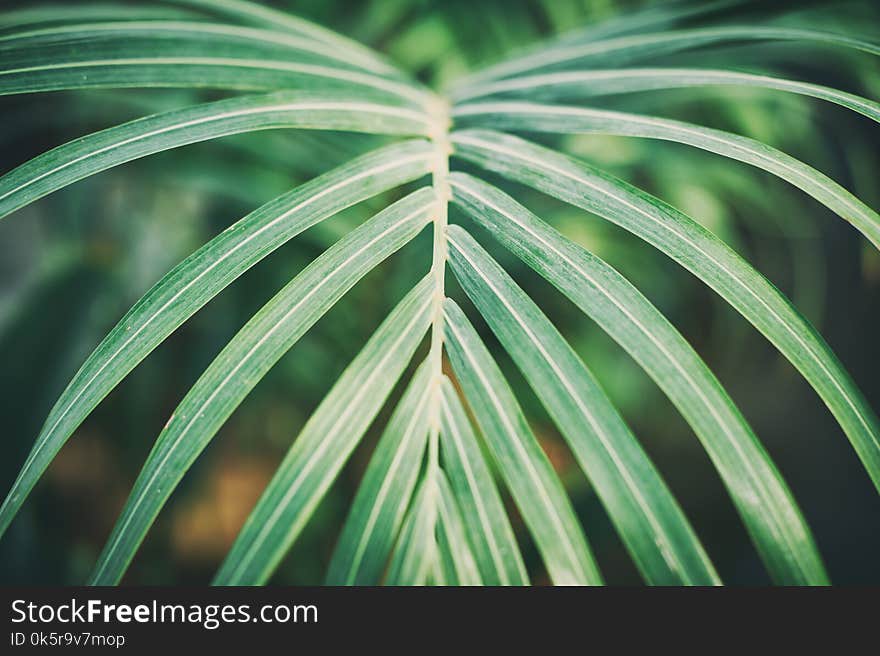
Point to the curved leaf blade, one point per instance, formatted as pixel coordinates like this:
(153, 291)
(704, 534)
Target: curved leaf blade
(708, 258)
(57, 14)
(534, 117)
(650, 522)
(491, 537)
(623, 50)
(414, 560)
(537, 491)
(585, 84)
(200, 277)
(630, 23)
(756, 487)
(170, 70)
(247, 358)
(326, 442)
(147, 37)
(383, 496)
(102, 150)
(454, 550)
(256, 14)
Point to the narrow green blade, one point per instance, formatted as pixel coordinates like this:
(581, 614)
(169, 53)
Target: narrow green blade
(585, 84)
(100, 151)
(536, 489)
(623, 50)
(415, 555)
(256, 14)
(650, 522)
(638, 21)
(326, 442)
(246, 359)
(444, 573)
(493, 543)
(761, 496)
(708, 258)
(628, 23)
(169, 69)
(196, 280)
(145, 37)
(384, 494)
(452, 543)
(61, 13)
(534, 117)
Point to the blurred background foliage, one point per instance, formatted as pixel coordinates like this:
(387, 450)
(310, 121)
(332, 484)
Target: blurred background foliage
(73, 263)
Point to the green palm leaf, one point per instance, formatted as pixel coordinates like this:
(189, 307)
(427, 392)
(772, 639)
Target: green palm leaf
(755, 485)
(650, 522)
(624, 50)
(100, 151)
(491, 537)
(535, 117)
(59, 14)
(283, 25)
(586, 84)
(638, 21)
(325, 443)
(154, 63)
(196, 280)
(428, 509)
(384, 494)
(706, 256)
(141, 38)
(457, 560)
(526, 470)
(247, 358)
(414, 559)
(256, 14)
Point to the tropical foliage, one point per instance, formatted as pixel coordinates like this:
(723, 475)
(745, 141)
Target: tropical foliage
(430, 508)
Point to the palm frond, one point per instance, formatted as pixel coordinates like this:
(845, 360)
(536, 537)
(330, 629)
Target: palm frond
(537, 491)
(703, 254)
(384, 494)
(491, 537)
(100, 151)
(190, 285)
(577, 85)
(428, 508)
(331, 433)
(535, 117)
(600, 292)
(653, 527)
(627, 50)
(247, 358)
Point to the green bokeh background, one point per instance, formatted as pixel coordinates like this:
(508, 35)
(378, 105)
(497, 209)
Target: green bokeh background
(72, 264)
